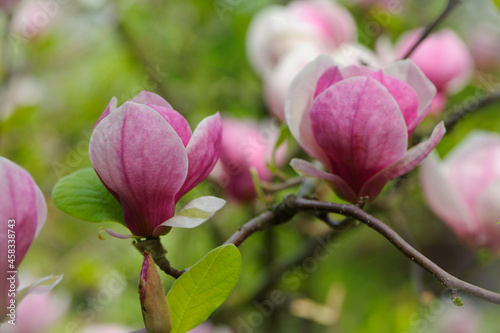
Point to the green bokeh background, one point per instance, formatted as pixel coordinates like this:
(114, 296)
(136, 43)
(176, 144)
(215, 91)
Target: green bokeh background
(91, 51)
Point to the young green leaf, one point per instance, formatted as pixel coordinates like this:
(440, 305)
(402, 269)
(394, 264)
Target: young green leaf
(82, 195)
(199, 291)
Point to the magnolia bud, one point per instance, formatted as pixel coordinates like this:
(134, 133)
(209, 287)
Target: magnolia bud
(154, 305)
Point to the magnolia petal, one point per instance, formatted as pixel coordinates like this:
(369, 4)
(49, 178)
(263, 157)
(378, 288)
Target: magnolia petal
(356, 70)
(358, 141)
(140, 157)
(442, 197)
(340, 186)
(407, 71)
(110, 108)
(411, 159)
(21, 201)
(113, 234)
(203, 151)
(176, 120)
(298, 101)
(404, 95)
(193, 214)
(147, 97)
(488, 211)
(40, 286)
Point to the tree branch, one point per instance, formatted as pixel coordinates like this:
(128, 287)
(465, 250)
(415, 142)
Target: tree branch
(428, 29)
(455, 285)
(158, 252)
(455, 117)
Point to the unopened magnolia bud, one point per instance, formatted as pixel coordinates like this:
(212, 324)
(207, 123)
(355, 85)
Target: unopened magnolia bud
(154, 305)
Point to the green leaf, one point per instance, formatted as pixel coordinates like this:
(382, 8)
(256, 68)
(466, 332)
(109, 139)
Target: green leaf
(82, 195)
(205, 286)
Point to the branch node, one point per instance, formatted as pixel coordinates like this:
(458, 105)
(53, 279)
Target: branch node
(285, 210)
(158, 252)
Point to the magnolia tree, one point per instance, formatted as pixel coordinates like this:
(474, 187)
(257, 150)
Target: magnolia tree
(354, 114)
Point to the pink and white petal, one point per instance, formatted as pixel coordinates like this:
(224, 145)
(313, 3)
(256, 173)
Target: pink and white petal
(110, 108)
(408, 72)
(404, 95)
(41, 210)
(113, 234)
(277, 82)
(40, 286)
(141, 158)
(298, 101)
(193, 214)
(488, 211)
(147, 97)
(442, 198)
(411, 159)
(360, 127)
(356, 70)
(203, 151)
(176, 120)
(339, 185)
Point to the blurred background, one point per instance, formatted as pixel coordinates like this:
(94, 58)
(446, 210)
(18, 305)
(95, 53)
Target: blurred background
(63, 60)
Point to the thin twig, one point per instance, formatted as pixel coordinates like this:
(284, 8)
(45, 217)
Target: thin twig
(452, 283)
(456, 116)
(158, 252)
(428, 29)
(272, 187)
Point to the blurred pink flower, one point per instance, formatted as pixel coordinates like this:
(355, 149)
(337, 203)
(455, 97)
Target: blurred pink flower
(147, 157)
(484, 43)
(32, 18)
(8, 5)
(443, 57)
(38, 313)
(23, 206)
(245, 144)
(357, 121)
(464, 319)
(278, 29)
(464, 188)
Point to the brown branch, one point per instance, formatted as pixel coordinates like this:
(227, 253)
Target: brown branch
(456, 116)
(428, 29)
(158, 252)
(455, 285)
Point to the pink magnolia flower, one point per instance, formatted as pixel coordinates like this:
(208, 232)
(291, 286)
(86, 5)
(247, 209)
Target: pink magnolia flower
(37, 313)
(245, 144)
(357, 121)
(444, 58)
(278, 29)
(23, 207)
(464, 188)
(147, 157)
